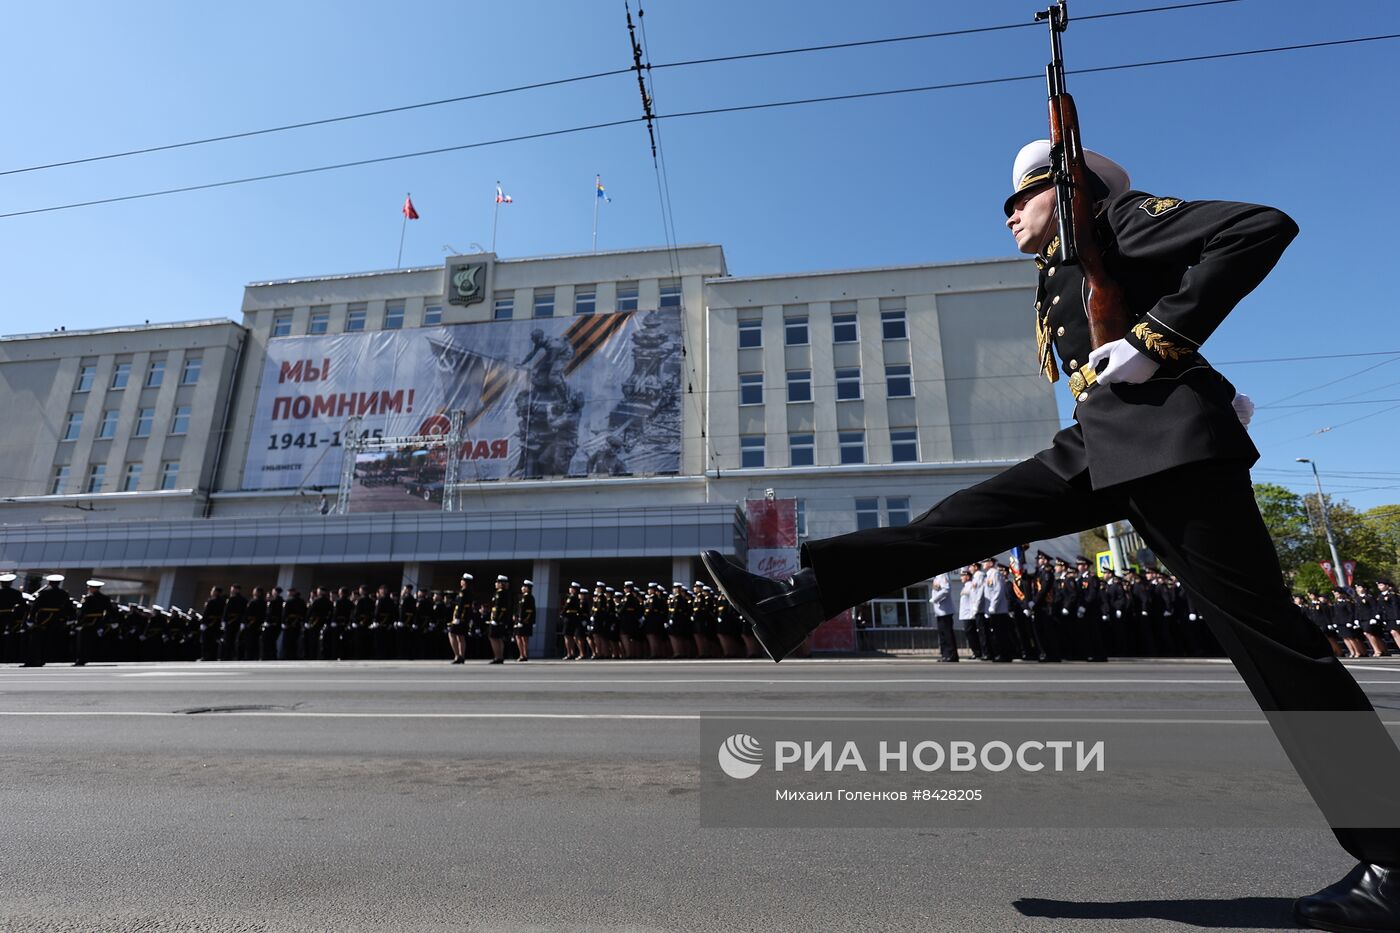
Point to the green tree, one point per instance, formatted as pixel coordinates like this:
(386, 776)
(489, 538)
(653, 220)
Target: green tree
(1286, 517)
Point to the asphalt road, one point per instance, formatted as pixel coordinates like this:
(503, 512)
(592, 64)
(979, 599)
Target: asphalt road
(564, 796)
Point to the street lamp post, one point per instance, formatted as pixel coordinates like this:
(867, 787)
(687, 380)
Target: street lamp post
(1326, 523)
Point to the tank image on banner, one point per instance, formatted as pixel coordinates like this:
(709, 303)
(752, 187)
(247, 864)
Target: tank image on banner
(596, 394)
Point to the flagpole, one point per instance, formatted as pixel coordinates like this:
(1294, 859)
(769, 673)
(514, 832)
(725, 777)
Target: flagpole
(403, 228)
(597, 179)
(495, 216)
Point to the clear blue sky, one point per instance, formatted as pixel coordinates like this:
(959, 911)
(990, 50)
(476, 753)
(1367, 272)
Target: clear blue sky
(904, 179)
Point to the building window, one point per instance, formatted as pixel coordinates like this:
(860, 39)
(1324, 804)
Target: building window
(751, 451)
(190, 375)
(132, 478)
(73, 426)
(97, 473)
(108, 427)
(169, 473)
(282, 324)
(801, 450)
(795, 331)
(393, 315)
(844, 329)
(897, 382)
(319, 322)
(60, 479)
(155, 375)
(504, 308)
(432, 315)
(585, 299)
(627, 297)
(544, 302)
(802, 518)
(750, 333)
(181, 423)
(670, 295)
(893, 326)
(145, 419)
(799, 385)
(355, 317)
(867, 514)
(897, 507)
(751, 388)
(87, 374)
(852, 445)
(847, 384)
(121, 375)
(904, 445)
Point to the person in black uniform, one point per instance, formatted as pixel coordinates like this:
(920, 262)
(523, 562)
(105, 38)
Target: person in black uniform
(1114, 600)
(1389, 603)
(461, 620)
(498, 619)
(235, 609)
(13, 610)
(1064, 605)
(97, 605)
(381, 627)
(1157, 438)
(729, 626)
(210, 621)
(48, 621)
(1344, 617)
(629, 621)
(654, 616)
(572, 610)
(272, 625)
(1089, 611)
(293, 619)
(678, 621)
(1368, 619)
(249, 640)
(318, 615)
(405, 642)
(524, 623)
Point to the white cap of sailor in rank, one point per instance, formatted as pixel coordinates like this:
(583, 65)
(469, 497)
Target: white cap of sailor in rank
(1032, 170)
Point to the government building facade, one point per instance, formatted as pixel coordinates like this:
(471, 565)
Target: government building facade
(599, 416)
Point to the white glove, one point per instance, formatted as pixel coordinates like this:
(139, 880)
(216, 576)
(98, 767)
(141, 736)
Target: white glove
(1192, 617)
(1244, 408)
(1125, 363)
(1118, 613)
(1064, 612)
(1079, 612)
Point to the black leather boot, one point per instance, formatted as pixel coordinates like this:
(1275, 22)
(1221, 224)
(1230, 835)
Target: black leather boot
(781, 613)
(1365, 901)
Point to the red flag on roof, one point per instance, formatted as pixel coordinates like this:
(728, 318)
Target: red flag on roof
(408, 210)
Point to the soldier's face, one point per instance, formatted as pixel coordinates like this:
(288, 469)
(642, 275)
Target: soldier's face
(1032, 217)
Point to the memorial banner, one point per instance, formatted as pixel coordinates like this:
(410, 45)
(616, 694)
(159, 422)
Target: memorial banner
(575, 396)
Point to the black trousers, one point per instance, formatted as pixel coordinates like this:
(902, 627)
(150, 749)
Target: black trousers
(947, 641)
(1202, 521)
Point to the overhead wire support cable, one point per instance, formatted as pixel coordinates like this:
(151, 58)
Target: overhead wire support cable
(574, 79)
(684, 114)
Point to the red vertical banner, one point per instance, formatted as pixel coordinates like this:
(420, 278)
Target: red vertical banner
(1349, 566)
(773, 554)
(1326, 566)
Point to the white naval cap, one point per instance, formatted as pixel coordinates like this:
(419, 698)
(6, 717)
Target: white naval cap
(611, 590)
(527, 582)
(8, 577)
(576, 585)
(1032, 170)
(600, 583)
(675, 583)
(501, 576)
(96, 583)
(467, 576)
(54, 578)
(628, 583)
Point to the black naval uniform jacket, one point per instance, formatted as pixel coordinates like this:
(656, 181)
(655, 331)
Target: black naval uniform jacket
(1183, 266)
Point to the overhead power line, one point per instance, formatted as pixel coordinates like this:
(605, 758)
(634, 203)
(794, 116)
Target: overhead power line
(675, 116)
(575, 79)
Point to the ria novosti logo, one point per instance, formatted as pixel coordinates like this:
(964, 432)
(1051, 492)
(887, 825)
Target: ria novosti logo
(740, 756)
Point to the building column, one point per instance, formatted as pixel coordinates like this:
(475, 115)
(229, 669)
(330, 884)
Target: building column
(682, 571)
(176, 587)
(295, 576)
(418, 575)
(545, 575)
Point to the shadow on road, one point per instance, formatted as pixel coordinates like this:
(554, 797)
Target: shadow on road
(1235, 913)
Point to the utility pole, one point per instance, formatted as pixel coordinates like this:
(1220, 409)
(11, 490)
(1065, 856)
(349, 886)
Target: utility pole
(1327, 525)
